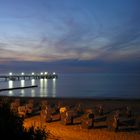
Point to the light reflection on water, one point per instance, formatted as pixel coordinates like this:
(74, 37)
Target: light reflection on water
(79, 85)
(46, 87)
(33, 90)
(41, 88)
(54, 88)
(33, 82)
(10, 85)
(22, 85)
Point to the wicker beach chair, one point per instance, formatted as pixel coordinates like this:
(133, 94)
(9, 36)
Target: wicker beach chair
(67, 117)
(88, 120)
(22, 111)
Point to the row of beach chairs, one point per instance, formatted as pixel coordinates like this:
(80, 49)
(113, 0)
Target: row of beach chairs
(89, 118)
(77, 114)
(24, 109)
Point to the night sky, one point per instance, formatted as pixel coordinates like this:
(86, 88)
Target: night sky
(70, 36)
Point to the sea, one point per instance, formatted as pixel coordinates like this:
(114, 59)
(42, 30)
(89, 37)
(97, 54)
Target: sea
(96, 85)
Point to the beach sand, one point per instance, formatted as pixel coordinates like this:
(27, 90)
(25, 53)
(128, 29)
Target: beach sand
(59, 131)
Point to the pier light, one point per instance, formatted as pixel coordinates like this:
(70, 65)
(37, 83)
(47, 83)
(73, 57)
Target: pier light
(54, 73)
(22, 73)
(46, 73)
(10, 73)
(41, 73)
(33, 73)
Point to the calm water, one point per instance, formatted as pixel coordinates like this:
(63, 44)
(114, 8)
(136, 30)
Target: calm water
(79, 85)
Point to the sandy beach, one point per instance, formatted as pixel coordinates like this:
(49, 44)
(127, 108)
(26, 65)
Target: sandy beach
(59, 131)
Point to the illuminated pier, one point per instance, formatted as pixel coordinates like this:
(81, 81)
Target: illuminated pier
(24, 76)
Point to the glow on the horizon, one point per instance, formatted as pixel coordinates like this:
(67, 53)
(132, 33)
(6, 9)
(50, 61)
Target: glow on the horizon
(54, 73)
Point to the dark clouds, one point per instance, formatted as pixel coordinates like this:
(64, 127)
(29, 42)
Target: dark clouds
(73, 35)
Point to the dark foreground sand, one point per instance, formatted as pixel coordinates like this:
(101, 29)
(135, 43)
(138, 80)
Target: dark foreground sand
(75, 132)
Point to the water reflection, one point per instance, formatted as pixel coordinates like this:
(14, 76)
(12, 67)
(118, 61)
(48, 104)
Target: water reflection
(10, 85)
(43, 87)
(46, 87)
(33, 90)
(22, 92)
(22, 84)
(33, 82)
(54, 88)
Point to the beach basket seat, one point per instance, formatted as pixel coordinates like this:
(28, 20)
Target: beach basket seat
(48, 114)
(14, 106)
(29, 108)
(63, 109)
(54, 110)
(43, 104)
(87, 120)
(22, 111)
(48, 118)
(87, 123)
(67, 117)
(112, 122)
(43, 115)
(128, 112)
(98, 110)
(117, 121)
(78, 110)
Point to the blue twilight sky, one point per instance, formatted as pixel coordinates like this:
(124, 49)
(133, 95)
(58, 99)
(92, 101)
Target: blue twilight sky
(70, 35)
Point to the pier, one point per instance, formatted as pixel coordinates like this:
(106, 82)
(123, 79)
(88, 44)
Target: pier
(24, 76)
(4, 89)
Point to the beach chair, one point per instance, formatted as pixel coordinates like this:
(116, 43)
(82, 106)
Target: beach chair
(63, 109)
(14, 106)
(128, 111)
(79, 110)
(29, 108)
(43, 105)
(121, 121)
(99, 110)
(22, 111)
(87, 123)
(88, 119)
(67, 117)
(48, 114)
